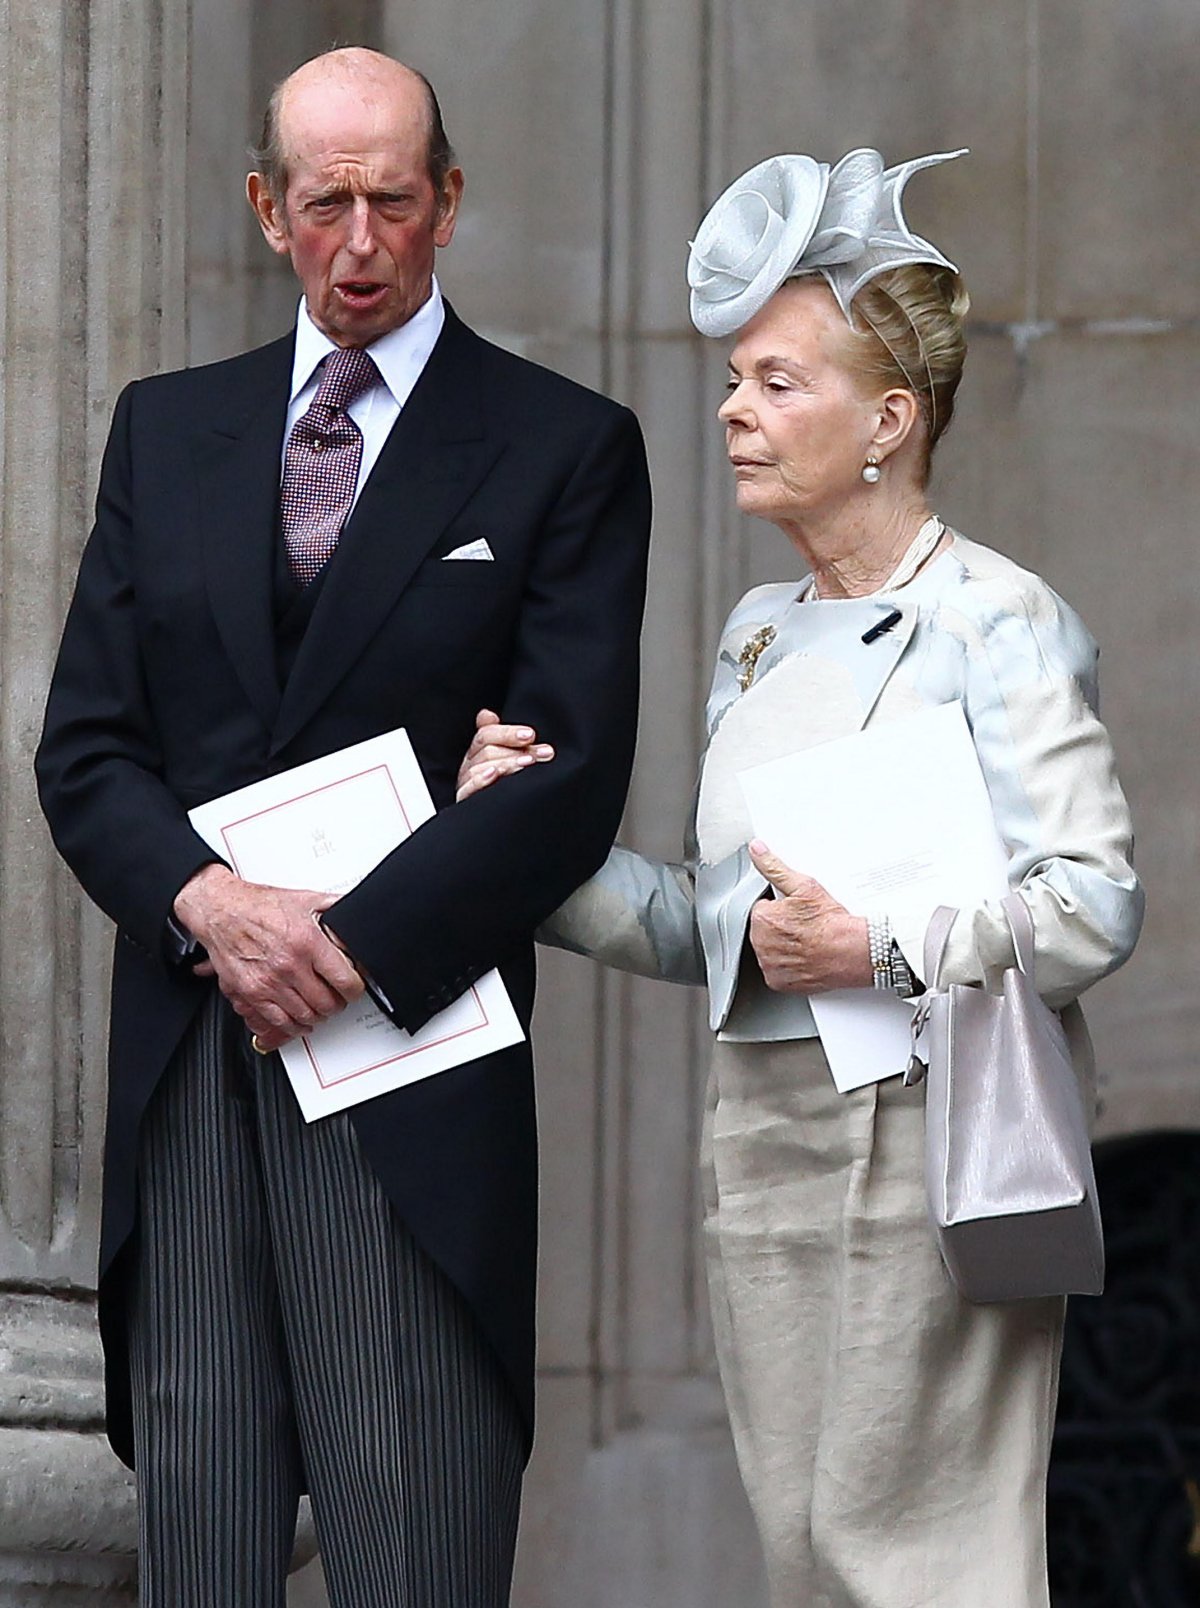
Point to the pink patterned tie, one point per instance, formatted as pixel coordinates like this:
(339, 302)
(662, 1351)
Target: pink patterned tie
(320, 466)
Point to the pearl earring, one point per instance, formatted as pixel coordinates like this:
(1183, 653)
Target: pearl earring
(871, 470)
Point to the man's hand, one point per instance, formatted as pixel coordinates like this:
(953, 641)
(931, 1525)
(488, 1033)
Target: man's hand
(281, 973)
(497, 750)
(805, 942)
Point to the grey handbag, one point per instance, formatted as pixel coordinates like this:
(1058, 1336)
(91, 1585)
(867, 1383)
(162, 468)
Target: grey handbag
(1008, 1161)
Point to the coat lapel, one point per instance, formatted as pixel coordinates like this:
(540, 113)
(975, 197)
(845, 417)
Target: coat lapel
(836, 631)
(237, 467)
(875, 660)
(436, 455)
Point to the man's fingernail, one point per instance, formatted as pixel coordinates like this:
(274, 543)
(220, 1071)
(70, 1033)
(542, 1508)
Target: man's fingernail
(757, 846)
(544, 751)
(524, 734)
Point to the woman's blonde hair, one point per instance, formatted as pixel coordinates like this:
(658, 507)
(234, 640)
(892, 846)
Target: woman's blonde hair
(909, 330)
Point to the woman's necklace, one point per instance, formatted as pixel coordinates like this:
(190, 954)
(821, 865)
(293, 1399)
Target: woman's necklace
(918, 550)
(915, 554)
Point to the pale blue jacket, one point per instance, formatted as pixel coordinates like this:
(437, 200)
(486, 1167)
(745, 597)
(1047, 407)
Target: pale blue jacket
(974, 627)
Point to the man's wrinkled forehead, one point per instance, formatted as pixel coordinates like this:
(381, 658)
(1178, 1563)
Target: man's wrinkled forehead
(332, 112)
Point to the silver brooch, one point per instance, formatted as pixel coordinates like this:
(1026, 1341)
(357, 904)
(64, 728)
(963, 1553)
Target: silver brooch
(752, 651)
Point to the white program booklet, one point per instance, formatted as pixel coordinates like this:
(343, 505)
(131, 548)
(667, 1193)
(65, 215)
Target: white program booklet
(325, 825)
(893, 820)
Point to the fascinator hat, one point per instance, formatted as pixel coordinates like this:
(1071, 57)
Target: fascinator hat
(791, 215)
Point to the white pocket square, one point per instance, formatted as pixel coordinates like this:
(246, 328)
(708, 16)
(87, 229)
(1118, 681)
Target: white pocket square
(471, 550)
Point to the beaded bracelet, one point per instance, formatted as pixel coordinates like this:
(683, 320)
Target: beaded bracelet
(889, 969)
(879, 942)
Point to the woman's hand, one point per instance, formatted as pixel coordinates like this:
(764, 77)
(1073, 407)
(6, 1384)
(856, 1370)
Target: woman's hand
(805, 942)
(497, 750)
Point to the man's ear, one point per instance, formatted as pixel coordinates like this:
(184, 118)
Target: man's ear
(447, 207)
(270, 214)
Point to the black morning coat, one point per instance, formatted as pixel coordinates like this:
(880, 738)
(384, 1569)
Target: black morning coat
(166, 694)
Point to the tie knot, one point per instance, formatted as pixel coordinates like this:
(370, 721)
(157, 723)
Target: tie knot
(347, 373)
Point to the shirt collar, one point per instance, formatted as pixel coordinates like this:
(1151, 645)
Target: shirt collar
(400, 355)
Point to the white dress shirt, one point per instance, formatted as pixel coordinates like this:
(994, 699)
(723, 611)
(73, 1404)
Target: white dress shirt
(400, 356)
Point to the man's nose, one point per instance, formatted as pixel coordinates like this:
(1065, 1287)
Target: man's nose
(361, 239)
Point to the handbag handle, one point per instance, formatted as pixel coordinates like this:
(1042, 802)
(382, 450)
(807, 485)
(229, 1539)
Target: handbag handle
(1020, 925)
(937, 935)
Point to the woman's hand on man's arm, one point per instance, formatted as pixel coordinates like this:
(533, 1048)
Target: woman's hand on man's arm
(497, 750)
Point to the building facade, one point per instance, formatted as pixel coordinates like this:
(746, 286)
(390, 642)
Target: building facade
(594, 133)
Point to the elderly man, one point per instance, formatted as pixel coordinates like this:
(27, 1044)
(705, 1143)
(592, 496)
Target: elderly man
(380, 520)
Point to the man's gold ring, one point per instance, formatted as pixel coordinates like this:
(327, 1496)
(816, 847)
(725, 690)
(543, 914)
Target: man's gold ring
(256, 1046)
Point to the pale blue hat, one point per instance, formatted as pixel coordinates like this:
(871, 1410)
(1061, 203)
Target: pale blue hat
(792, 215)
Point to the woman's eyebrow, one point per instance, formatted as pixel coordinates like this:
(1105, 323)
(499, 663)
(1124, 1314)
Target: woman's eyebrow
(777, 360)
(771, 361)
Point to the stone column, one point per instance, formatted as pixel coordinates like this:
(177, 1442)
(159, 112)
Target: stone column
(92, 144)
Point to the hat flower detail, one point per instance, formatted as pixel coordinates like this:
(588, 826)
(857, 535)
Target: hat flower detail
(791, 215)
(752, 235)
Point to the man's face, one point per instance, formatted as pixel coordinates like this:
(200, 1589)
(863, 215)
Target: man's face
(361, 219)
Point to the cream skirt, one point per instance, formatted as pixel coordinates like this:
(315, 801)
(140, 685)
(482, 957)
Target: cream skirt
(893, 1439)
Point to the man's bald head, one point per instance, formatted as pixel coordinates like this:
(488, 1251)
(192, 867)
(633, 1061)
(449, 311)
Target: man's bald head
(354, 187)
(351, 69)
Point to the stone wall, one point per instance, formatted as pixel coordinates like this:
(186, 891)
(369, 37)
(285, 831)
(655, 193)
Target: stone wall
(594, 133)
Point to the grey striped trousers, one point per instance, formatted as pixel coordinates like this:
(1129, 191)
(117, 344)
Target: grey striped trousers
(285, 1330)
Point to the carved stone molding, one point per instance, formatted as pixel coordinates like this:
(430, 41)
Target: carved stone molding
(92, 143)
(68, 1514)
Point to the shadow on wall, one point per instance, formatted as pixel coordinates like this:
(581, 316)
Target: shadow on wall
(1124, 1514)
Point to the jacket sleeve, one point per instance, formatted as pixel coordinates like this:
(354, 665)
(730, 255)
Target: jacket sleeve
(1031, 702)
(636, 914)
(99, 770)
(471, 885)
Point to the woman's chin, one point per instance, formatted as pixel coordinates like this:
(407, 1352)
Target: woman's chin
(758, 503)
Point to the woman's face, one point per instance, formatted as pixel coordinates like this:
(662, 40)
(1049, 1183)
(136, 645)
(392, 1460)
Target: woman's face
(798, 427)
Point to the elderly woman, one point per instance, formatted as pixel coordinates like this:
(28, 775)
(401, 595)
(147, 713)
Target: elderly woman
(893, 1438)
